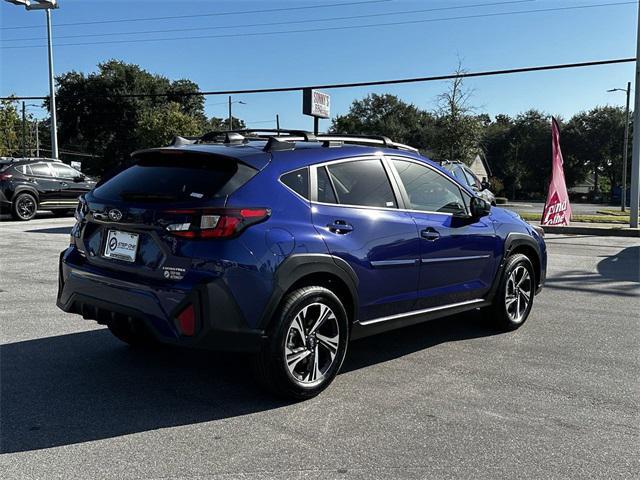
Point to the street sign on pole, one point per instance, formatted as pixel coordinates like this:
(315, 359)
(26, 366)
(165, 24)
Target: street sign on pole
(316, 104)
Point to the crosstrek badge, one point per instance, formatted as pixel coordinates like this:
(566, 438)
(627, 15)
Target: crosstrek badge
(173, 273)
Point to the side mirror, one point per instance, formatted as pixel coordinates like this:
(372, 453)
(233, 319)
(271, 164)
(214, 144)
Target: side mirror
(79, 178)
(479, 207)
(485, 185)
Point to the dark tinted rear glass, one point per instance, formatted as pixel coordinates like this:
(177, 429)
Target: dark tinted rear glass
(325, 190)
(298, 181)
(176, 179)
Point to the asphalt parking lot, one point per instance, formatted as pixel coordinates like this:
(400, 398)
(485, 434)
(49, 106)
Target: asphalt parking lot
(559, 398)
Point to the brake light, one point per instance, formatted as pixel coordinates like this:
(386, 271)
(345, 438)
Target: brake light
(5, 176)
(187, 321)
(218, 223)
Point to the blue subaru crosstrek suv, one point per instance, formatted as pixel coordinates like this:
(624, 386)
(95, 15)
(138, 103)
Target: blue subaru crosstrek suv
(288, 245)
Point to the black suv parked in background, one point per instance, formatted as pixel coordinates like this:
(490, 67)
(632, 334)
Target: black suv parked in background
(29, 184)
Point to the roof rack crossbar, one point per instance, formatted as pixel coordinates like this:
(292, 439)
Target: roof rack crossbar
(276, 138)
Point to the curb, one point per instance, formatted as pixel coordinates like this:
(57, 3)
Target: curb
(598, 231)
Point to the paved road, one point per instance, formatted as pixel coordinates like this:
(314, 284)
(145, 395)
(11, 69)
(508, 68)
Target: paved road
(451, 399)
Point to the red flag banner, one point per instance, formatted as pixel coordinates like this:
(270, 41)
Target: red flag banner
(557, 209)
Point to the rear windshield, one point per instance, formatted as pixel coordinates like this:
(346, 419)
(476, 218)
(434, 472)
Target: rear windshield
(176, 179)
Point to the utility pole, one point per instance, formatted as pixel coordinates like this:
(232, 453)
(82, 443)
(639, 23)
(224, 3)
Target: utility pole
(52, 90)
(47, 6)
(278, 124)
(635, 155)
(24, 131)
(625, 154)
(37, 139)
(230, 121)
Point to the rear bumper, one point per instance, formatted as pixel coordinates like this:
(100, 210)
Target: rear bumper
(102, 297)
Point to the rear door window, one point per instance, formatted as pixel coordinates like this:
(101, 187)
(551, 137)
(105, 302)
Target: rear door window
(180, 178)
(325, 189)
(41, 170)
(363, 183)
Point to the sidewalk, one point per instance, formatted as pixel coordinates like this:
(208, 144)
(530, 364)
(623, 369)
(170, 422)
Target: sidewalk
(599, 229)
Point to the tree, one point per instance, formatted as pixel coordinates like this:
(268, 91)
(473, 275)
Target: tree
(459, 130)
(159, 125)
(389, 116)
(9, 127)
(595, 141)
(96, 116)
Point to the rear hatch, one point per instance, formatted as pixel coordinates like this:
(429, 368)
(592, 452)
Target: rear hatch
(149, 218)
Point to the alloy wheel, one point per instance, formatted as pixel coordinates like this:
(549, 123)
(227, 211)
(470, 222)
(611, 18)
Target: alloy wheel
(518, 293)
(26, 207)
(311, 343)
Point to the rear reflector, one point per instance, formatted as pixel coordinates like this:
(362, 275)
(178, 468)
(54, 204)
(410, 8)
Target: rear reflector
(187, 321)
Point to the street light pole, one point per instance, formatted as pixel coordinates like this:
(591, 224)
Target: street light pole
(52, 91)
(46, 5)
(24, 130)
(230, 117)
(635, 155)
(625, 152)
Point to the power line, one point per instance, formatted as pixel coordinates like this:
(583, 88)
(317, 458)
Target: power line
(270, 24)
(215, 14)
(330, 86)
(326, 29)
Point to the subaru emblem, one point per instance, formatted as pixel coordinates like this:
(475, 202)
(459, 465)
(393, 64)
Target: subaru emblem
(115, 215)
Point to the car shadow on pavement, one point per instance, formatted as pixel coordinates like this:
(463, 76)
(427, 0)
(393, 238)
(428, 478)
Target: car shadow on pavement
(617, 275)
(88, 386)
(625, 266)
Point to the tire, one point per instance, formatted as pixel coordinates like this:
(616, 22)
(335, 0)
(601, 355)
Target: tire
(131, 332)
(299, 359)
(514, 298)
(24, 207)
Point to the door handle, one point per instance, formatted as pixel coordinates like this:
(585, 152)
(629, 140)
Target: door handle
(430, 234)
(64, 184)
(340, 227)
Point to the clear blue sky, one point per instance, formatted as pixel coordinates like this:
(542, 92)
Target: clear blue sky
(339, 55)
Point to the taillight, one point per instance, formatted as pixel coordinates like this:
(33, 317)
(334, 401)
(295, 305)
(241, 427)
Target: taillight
(5, 176)
(217, 223)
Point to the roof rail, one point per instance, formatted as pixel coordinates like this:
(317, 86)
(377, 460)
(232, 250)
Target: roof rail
(283, 139)
(222, 136)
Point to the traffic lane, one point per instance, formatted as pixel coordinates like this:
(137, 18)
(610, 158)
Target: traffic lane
(450, 398)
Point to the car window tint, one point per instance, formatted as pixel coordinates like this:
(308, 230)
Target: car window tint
(428, 190)
(63, 171)
(473, 181)
(298, 181)
(325, 189)
(458, 173)
(362, 182)
(40, 169)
